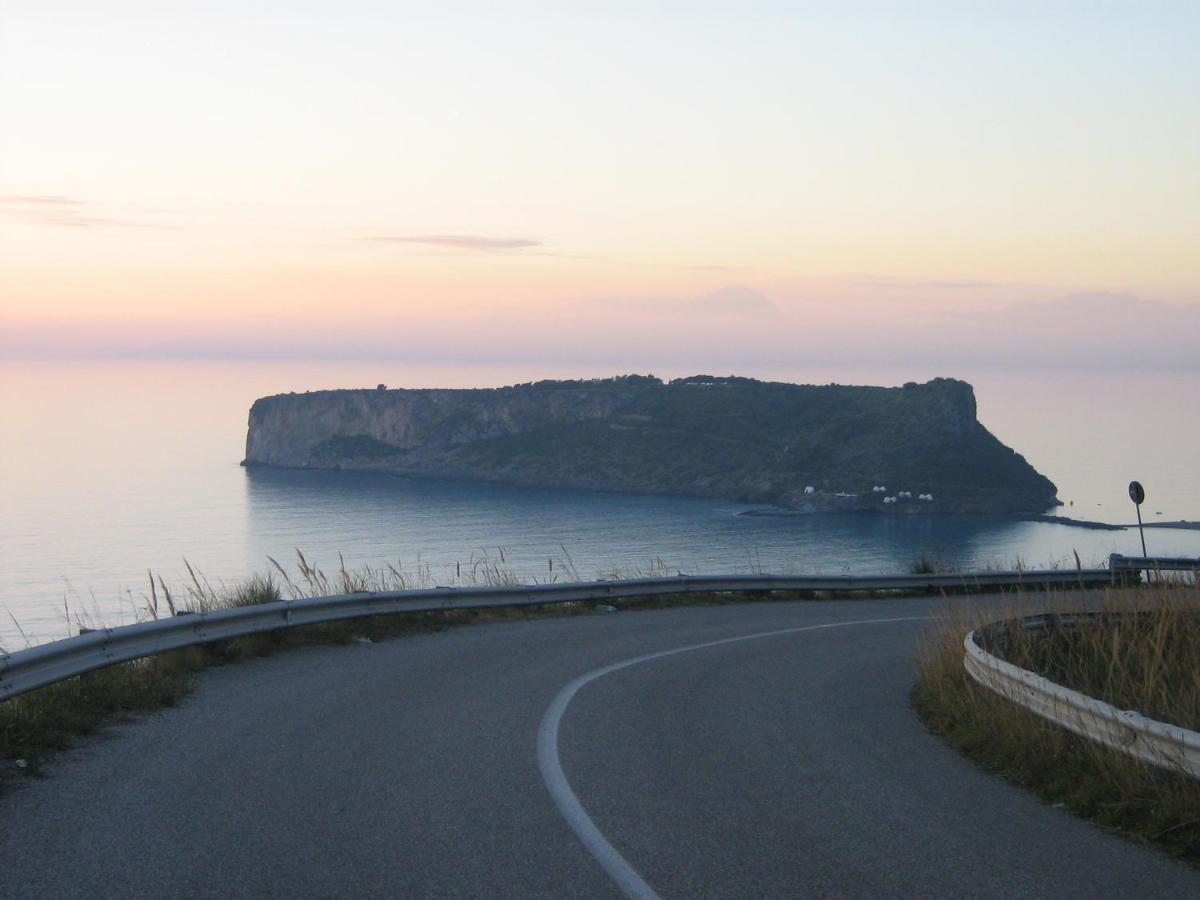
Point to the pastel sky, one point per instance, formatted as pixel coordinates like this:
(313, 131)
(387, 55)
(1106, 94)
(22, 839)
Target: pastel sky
(697, 183)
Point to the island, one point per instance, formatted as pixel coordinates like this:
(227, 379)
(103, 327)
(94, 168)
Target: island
(802, 448)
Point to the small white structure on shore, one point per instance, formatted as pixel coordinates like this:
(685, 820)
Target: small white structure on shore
(905, 495)
(810, 490)
(889, 499)
(926, 497)
(879, 489)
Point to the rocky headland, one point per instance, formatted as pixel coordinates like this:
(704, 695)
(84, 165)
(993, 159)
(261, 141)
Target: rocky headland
(913, 449)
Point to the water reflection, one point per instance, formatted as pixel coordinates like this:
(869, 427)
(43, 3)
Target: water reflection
(371, 517)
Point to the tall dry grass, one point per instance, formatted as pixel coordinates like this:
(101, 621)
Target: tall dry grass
(35, 725)
(1141, 653)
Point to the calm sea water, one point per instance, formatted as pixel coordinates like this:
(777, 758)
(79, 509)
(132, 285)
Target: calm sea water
(110, 469)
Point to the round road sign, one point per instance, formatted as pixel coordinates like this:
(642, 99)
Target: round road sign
(1136, 492)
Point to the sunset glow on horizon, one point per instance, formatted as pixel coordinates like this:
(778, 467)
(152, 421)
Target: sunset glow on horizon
(366, 179)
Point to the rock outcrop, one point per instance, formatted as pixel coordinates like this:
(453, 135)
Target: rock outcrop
(735, 438)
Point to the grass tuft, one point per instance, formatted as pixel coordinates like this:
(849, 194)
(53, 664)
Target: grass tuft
(257, 590)
(925, 564)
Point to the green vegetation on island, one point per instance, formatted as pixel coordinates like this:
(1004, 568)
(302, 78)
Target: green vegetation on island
(917, 448)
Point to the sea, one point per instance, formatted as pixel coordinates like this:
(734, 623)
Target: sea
(112, 470)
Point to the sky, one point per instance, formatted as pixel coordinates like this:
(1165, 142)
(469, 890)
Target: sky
(715, 185)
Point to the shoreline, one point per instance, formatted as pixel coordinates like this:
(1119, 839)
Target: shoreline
(1178, 525)
(780, 512)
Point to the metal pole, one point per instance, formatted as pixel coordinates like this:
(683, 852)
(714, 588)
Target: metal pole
(1140, 531)
(1137, 494)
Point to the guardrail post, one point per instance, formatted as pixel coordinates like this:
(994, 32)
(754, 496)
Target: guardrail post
(1125, 572)
(87, 679)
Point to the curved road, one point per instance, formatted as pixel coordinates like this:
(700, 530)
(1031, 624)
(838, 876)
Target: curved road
(642, 752)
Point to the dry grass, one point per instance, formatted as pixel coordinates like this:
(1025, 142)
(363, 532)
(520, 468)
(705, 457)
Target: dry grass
(33, 726)
(1143, 654)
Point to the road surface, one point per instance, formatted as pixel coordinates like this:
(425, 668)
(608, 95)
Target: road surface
(735, 751)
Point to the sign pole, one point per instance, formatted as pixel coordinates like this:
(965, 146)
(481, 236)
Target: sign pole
(1137, 494)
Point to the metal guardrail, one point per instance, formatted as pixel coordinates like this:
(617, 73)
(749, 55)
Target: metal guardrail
(1157, 743)
(25, 670)
(1119, 563)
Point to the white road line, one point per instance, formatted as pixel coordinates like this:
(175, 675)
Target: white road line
(617, 867)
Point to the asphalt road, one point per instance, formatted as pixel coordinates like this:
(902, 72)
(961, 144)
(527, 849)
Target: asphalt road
(786, 764)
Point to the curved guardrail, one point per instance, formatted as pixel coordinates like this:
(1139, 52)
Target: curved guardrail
(1157, 743)
(45, 664)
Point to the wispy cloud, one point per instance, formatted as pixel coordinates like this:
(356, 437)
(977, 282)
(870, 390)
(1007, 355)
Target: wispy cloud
(55, 210)
(1096, 329)
(476, 243)
(37, 200)
(887, 281)
(47, 209)
(471, 242)
(1123, 316)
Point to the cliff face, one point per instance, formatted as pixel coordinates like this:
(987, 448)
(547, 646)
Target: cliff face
(314, 429)
(735, 438)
